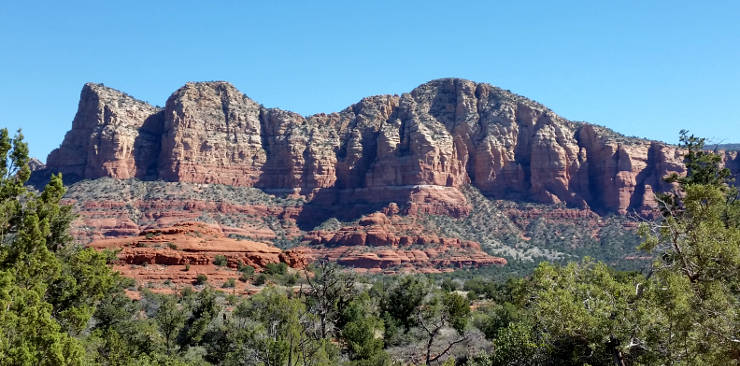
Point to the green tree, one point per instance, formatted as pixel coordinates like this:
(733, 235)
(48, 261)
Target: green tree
(272, 329)
(360, 332)
(448, 285)
(684, 312)
(203, 308)
(401, 300)
(329, 293)
(171, 319)
(491, 318)
(583, 313)
(697, 273)
(440, 311)
(49, 287)
(514, 345)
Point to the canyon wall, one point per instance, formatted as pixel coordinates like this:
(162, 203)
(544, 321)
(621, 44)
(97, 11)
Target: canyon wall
(416, 149)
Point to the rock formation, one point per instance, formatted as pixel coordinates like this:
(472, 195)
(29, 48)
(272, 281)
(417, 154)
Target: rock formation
(416, 149)
(178, 254)
(35, 164)
(212, 154)
(392, 244)
(112, 135)
(170, 257)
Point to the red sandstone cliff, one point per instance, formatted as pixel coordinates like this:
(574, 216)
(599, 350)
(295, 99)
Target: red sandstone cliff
(112, 135)
(416, 149)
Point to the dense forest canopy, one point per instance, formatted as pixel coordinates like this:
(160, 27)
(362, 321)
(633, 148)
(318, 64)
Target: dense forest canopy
(60, 304)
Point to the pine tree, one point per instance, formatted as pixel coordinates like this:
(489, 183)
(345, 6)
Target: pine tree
(697, 273)
(48, 286)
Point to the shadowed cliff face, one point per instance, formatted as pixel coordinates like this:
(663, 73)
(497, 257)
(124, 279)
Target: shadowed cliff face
(416, 149)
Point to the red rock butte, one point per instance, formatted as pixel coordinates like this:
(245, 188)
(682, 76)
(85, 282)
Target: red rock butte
(407, 155)
(416, 149)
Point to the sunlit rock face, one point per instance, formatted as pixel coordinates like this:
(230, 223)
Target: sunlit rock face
(112, 135)
(416, 149)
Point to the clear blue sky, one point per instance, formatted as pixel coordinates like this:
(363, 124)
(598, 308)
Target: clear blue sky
(644, 68)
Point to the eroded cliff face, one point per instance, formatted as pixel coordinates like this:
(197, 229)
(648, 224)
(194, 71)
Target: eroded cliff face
(211, 134)
(416, 149)
(112, 135)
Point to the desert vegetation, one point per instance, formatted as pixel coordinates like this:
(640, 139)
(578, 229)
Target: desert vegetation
(548, 237)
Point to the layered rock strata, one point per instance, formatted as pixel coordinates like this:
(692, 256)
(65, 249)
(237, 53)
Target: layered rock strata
(416, 149)
(189, 243)
(177, 254)
(378, 243)
(112, 135)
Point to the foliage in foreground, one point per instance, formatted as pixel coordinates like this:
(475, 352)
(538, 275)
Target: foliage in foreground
(686, 311)
(49, 288)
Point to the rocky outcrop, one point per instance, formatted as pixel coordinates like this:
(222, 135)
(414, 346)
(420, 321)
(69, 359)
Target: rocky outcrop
(377, 230)
(35, 164)
(112, 135)
(395, 244)
(211, 134)
(176, 255)
(189, 243)
(416, 149)
(389, 261)
(104, 219)
(732, 161)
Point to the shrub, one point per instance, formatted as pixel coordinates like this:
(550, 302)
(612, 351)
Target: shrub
(171, 245)
(247, 272)
(220, 260)
(245, 268)
(230, 283)
(276, 268)
(260, 280)
(472, 295)
(448, 285)
(290, 280)
(201, 279)
(186, 292)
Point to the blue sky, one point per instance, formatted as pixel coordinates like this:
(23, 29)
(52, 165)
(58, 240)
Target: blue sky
(643, 68)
